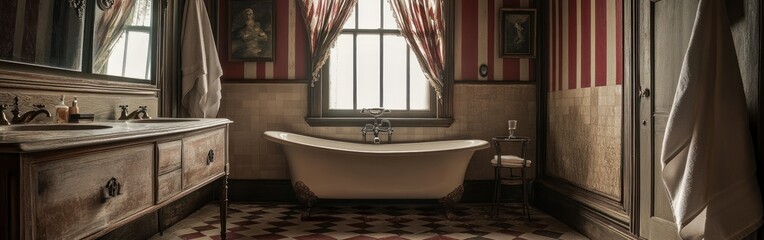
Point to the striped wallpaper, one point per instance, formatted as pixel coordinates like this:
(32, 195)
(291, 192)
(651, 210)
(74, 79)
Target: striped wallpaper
(477, 26)
(290, 56)
(585, 44)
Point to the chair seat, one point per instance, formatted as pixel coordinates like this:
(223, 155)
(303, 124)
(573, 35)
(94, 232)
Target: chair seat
(510, 161)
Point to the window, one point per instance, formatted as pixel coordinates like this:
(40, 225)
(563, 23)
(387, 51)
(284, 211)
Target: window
(371, 66)
(137, 35)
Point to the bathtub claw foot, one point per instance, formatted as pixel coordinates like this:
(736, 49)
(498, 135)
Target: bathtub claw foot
(449, 201)
(305, 215)
(306, 197)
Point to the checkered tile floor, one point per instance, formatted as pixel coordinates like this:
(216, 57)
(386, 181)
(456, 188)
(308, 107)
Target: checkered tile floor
(362, 222)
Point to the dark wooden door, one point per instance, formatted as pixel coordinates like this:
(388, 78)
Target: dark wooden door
(664, 34)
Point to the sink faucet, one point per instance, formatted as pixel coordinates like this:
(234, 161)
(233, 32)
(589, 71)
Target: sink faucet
(22, 118)
(3, 119)
(378, 125)
(30, 115)
(135, 114)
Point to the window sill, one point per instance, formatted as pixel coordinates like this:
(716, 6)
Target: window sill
(359, 122)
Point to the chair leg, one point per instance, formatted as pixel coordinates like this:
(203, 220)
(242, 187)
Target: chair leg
(496, 206)
(526, 209)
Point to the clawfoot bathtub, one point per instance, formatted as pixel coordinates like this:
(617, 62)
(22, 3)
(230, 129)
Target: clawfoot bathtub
(327, 169)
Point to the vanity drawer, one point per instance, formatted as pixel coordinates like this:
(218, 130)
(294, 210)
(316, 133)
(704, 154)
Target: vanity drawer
(169, 156)
(169, 185)
(69, 194)
(204, 155)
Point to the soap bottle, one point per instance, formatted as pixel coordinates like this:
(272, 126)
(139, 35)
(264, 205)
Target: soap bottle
(74, 109)
(62, 111)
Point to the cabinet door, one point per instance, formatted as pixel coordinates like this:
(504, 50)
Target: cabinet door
(68, 194)
(204, 156)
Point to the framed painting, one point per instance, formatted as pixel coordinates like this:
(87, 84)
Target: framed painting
(252, 28)
(518, 33)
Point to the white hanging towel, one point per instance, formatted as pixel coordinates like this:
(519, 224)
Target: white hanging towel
(708, 161)
(200, 65)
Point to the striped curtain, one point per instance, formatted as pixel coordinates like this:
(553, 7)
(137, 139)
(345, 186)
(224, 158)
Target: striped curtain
(323, 20)
(423, 25)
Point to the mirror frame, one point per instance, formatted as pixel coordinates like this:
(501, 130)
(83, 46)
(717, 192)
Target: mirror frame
(18, 75)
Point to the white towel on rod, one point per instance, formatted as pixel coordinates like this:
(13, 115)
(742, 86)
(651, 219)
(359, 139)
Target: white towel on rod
(708, 161)
(200, 64)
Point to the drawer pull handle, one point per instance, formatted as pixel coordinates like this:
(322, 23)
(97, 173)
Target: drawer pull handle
(112, 189)
(210, 156)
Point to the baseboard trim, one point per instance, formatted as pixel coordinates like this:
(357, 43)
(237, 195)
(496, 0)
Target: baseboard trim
(587, 221)
(280, 191)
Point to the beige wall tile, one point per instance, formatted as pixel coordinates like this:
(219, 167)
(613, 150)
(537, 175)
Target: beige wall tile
(584, 145)
(480, 112)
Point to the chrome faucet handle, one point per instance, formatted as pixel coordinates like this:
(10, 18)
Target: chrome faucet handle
(375, 112)
(385, 125)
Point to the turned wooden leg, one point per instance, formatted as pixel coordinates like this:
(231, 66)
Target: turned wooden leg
(223, 206)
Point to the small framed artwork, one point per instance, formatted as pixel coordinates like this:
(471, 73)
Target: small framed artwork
(252, 29)
(518, 33)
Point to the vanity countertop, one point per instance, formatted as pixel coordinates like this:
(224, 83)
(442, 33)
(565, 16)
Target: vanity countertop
(15, 141)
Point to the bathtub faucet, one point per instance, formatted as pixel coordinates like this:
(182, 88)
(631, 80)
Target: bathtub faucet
(378, 125)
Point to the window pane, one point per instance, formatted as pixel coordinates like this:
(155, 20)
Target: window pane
(341, 73)
(135, 63)
(350, 23)
(369, 11)
(388, 18)
(368, 71)
(116, 60)
(141, 13)
(420, 88)
(394, 66)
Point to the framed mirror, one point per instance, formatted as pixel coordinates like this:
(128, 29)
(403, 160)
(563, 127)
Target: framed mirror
(112, 38)
(45, 33)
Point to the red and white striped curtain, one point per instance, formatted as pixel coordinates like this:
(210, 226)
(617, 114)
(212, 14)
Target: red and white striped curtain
(422, 23)
(324, 20)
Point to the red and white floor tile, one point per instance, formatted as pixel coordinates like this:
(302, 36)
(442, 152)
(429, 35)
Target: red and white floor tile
(368, 221)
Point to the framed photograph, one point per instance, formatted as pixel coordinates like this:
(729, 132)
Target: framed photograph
(518, 33)
(252, 28)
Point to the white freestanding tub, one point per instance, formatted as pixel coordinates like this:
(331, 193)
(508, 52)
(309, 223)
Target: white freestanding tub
(330, 169)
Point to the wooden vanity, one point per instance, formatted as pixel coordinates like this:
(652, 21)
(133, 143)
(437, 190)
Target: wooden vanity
(82, 184)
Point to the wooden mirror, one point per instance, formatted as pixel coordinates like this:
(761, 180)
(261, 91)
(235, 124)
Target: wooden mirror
(102, 37)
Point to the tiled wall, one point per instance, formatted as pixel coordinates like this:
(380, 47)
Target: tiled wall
(584, 145)
(480, 112)
(103, 106)
(585, 94)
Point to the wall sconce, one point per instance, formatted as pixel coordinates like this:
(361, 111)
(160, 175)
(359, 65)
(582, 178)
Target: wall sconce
(483, 70)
